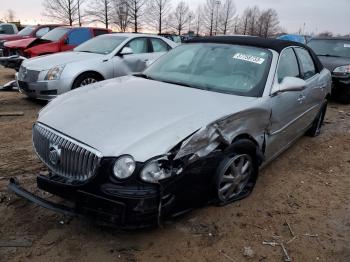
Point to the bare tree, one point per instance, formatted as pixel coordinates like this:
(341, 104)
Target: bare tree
(121, 16)
(209, 15)
(10, 15)
(226, 15)
(198, 20)
(270, 22)
(64, 11)
(100, 11)
(136, 12)
(181, 16)
(158, 11)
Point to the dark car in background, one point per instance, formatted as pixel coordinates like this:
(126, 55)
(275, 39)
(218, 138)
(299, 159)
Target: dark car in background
(334, 54)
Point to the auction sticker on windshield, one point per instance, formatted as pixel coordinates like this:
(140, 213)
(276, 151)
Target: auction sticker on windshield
(249, 58)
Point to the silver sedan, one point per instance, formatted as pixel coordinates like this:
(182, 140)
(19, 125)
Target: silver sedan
(100, 58)
(195, 127)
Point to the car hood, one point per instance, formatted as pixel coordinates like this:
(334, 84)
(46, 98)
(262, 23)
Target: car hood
(10, 37)
(22, 43)
(135, 116)
(331, 62)
(49, 61)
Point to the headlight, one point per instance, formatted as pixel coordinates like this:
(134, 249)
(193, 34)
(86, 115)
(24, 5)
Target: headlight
(54, 73)
(342, 69)
(156, 170)
(124, 167)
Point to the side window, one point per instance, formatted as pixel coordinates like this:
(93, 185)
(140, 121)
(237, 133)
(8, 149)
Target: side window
(138, 45)
(78, 36)
(159, 45)
(307, 64)
(7, 29)
(288, 65)
(42, 31)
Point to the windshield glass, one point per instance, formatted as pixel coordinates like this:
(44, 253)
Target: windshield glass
(27, 30)
(55, 34)
(233, 69)
(101, 45)
(331, 47)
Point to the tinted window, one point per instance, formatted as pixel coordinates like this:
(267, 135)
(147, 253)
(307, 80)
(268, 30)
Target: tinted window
(331, 47)
(101, 45)
(138, 45)
(288, 65)
(42, 31)
(78, 36)
(159, 45)
(307, 64)
(27, 30)
(56, 34)
(231, 69)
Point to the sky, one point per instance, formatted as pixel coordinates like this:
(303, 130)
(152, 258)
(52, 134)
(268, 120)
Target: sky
(317, 15)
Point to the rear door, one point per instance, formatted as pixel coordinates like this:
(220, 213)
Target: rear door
(286, 107)
(76, 37)
(315, 90)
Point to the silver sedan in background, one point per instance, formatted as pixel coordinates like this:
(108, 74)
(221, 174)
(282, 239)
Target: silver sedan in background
(100, 58)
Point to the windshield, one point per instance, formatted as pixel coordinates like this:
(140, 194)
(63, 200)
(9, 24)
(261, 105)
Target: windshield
(55, 34)
(233, 69)
(101, 45)
(27, 30)
(333, 47)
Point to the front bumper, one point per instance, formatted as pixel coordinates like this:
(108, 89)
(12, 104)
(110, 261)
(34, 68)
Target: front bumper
(130, 204)
(13, 62)
(341, 88)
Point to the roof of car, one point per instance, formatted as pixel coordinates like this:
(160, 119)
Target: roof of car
(274, 44)
(134, 35)
(269, 43)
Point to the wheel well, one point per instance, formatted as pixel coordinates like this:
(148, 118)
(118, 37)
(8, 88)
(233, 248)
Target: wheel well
(91, 72)
(328, 96)
(246, 136)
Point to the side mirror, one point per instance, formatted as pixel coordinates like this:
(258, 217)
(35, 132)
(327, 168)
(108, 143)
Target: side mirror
(126, 51)
(290, 84)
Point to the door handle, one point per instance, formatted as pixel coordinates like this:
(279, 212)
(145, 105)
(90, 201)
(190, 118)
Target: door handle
(301, 98)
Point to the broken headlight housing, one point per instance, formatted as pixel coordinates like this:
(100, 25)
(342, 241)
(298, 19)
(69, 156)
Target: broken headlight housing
(124, 167)
(156, 170)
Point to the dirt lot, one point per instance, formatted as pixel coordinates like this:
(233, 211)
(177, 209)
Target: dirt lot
(308, 186)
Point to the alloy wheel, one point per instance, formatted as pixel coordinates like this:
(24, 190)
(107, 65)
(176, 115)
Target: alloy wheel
(235, 177)
(88, 81)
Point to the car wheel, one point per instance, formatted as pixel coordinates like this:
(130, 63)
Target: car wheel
(315, 129)
(86, 79)
(237, 173)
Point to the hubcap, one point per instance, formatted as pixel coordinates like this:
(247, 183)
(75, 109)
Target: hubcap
(88, 81)
(236, 177)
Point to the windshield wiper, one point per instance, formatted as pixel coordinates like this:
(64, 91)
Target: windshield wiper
(175, 83)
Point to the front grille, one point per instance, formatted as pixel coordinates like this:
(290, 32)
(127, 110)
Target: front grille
(64, 156)
(27, 75)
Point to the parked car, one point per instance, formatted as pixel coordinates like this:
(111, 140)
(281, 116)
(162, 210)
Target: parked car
(194, 127)
(304, 39)
(13, 50)
(175, 38)
(100, 58)
(31, 31)
(334, 53)
(58, 40)
(8, 29)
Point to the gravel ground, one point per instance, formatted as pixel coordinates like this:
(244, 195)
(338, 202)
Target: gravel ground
(306, 189)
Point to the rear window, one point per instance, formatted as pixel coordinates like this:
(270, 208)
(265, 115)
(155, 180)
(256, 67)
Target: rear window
(331, 47)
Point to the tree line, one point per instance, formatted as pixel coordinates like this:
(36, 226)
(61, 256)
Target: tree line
(213, 17)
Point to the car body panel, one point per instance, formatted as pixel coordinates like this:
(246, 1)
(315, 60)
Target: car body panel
(21, 44)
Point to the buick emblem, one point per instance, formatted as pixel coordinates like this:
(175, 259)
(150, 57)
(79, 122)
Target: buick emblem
(54, 154)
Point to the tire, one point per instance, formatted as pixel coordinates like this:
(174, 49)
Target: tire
(86, 79)
(315, 129)
(237, 173)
